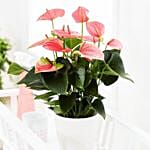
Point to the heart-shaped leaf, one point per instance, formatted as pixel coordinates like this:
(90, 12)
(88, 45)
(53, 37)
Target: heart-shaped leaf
(99, 107)
(67, 102)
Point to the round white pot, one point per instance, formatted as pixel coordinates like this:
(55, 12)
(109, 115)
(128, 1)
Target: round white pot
(78, 134)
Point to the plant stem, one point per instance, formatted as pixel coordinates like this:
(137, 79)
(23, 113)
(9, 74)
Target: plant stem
(54, 55)
(76, 46)
(52, 24)
(101, 75)
(53, 27)
(99, 42)
(82, 29)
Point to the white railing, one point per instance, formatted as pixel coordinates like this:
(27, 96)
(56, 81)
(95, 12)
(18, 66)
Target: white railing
(108, 133)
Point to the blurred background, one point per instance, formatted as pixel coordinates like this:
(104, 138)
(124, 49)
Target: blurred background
(126, 20)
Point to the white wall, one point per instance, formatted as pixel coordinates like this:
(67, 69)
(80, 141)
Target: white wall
(134, 30)
(14, 22)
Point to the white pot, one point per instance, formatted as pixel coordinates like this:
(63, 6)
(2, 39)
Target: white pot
(78, 134)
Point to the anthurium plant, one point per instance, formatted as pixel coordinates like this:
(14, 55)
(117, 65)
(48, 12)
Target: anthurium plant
(80, 64)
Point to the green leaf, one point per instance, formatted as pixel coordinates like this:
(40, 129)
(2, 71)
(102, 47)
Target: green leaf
(115, 62)
(67, 102)
(108, 53)
(104, 71)
(53, 103)
(56, 81)
(77, 77)
(72, 43)
(15, 69)
(45, 96)
(66, 64)
(33, 80)
(99, 107)
(88, 79)
(97, 68)
(109, 79)
(83, 107)
(57, 110)
(115, 66)
(92, 89)
(112, 73)
(82, 62)
(126, 76)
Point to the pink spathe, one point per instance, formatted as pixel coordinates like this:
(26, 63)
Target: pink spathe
(114, 43)
(95, 28)
(56, 45)
(25, 101)
(80, 15)
(91, 52)
(52, 14)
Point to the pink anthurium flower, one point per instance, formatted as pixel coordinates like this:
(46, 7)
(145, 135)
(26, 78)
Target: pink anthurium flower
(52, 14)
(44, 65)
(90, 38)
(66, 33)
(39, 43)
(56, 45)
(91, 52)
(114, 43)
(95, 28)
(80, 15)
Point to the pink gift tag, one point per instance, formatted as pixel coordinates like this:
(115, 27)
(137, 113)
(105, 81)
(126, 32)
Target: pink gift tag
(25, 101)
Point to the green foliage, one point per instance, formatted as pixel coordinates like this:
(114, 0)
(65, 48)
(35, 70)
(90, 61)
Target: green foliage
(34, 81)
(72, 43)
(15, 69)
(46, 96)
(4, 47)
(55, 82)
(67, 102)
(92, 88)
(76, 84)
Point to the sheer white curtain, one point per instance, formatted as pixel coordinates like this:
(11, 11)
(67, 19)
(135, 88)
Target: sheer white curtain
(133, 29)
(14, 22)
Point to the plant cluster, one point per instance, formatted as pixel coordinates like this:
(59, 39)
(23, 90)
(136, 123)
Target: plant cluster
(79, 65)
